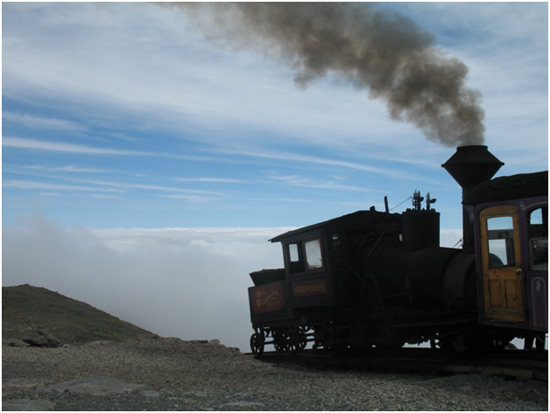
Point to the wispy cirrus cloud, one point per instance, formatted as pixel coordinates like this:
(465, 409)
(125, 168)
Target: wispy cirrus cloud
(38, 122)
(68, 168)
(192, 198)
(289, 200)
(295, 180)
(105, 190)
(19, 184)
(25, 143)
(296, 157)
(213, 180)
(162, 188)
(63, 147)
(104, 196)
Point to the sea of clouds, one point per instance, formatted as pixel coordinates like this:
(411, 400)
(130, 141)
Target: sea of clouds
(177, 282)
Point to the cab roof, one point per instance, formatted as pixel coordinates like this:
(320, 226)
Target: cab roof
(355, 220)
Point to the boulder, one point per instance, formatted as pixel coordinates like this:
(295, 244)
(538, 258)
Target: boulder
(13, 342)
(41, 338)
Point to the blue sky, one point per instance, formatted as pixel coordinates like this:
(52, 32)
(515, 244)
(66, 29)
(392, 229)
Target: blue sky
(123, 115)
(120, 119)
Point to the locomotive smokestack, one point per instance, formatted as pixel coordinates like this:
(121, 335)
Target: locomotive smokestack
(470, 166)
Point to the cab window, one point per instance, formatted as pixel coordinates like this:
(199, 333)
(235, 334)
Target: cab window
(295, 257)
(305, 256)
(314, 256)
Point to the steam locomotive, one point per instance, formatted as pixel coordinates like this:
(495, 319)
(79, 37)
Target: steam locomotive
(374, 280)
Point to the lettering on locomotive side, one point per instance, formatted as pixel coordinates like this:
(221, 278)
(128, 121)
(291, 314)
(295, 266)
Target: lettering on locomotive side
(267, 298)
(317, 287)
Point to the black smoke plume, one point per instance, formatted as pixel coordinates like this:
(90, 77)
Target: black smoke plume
(382, 52)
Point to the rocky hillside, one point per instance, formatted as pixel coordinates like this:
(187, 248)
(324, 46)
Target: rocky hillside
(26, 308)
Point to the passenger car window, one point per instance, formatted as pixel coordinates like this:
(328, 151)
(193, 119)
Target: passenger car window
(501, 242)
(538, 238)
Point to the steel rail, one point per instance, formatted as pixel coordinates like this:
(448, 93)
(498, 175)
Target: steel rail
(523, 364)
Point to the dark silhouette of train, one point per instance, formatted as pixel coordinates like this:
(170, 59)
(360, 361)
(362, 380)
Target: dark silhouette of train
(374, 280)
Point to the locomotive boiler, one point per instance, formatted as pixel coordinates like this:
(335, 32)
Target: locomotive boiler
(374, 280)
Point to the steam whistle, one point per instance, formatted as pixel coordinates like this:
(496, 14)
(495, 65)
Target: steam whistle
(417, 200)
(429, 201)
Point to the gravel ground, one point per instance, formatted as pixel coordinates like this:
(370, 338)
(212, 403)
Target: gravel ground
(171, 374)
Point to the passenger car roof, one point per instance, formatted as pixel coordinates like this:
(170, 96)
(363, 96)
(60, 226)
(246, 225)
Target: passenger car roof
(509, 187)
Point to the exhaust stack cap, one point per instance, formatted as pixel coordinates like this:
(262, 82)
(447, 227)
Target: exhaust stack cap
(472, 165)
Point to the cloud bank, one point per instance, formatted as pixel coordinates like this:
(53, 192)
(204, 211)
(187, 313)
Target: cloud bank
(177, 282)
(187, 283)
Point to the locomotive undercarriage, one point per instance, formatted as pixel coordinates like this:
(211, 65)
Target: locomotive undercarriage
(344, 329)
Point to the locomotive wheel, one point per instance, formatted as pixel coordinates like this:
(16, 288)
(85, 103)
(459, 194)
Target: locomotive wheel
(445, 348)
(317, 340)
(292, 343)
(303, 337)
(498, 344)
(279, 341)
(257, 344)
(303, 342)
(499, 341)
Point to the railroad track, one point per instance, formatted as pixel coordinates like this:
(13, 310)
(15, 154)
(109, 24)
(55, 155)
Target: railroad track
(509, 363)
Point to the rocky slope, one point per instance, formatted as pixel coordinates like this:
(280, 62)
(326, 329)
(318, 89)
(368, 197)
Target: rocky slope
(26, 308)
(122, 367)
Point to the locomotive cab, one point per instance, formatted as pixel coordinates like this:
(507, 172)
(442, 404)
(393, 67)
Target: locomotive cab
(319, 259)
(319, 275)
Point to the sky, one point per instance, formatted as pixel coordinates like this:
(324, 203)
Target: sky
(148, 155)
